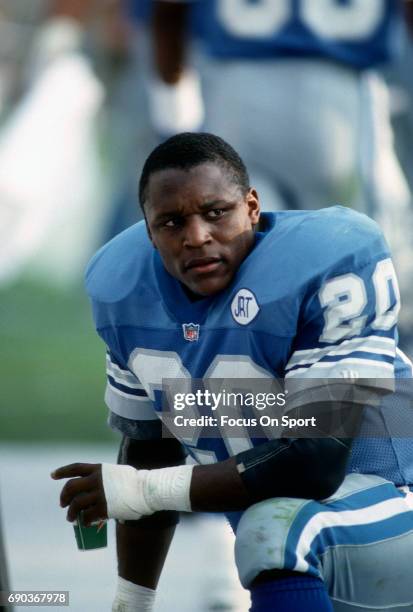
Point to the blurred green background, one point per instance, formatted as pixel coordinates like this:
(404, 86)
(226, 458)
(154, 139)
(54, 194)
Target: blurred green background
(53, 366)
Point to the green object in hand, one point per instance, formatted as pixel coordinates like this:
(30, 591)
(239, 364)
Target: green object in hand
(91, 537)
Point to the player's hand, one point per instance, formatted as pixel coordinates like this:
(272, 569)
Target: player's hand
(84, 492)
(122, 492)
(103, 491)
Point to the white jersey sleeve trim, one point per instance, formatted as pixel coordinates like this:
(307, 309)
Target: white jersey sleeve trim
(363, 368)
(125, 377)
(371, 344)
(405, 359)
(129, 406)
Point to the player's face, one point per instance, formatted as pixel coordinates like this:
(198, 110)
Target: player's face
(202, 225)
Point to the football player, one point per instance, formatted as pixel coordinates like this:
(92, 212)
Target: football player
(288, 59)
(208, 288)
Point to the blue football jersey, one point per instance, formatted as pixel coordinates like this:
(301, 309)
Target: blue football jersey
(361, 33)
(316, 298)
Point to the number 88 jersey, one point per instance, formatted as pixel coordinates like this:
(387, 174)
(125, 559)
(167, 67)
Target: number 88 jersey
(361, 33)
(316, 298)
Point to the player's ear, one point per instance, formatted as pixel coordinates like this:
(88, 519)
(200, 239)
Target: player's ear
(253, 203)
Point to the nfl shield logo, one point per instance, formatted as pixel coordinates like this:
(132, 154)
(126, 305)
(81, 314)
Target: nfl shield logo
(191, 331)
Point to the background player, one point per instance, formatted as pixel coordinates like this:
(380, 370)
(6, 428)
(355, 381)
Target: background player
(332, 44)
(318, 309)
(303, 76)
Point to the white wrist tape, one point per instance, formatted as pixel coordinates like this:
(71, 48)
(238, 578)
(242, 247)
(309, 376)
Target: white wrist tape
(179, 107)
(124, 492)
(131, 494)
(168, 488)
(132, 597)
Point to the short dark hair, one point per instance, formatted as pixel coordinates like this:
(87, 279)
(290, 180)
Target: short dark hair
(190, 149)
